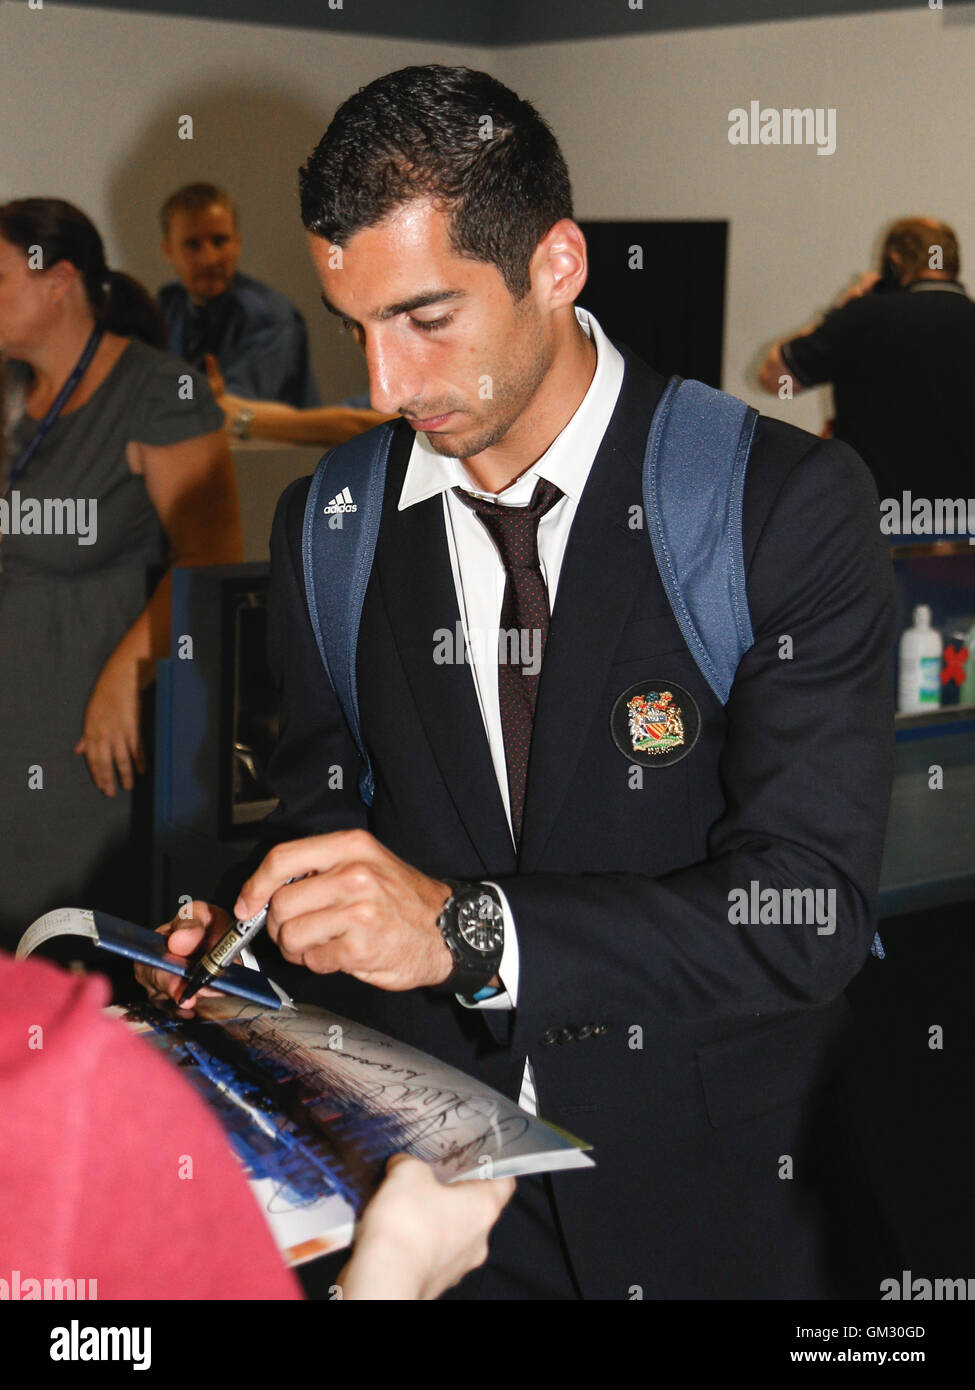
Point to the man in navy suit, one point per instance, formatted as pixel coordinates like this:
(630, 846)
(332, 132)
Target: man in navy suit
(581, 876)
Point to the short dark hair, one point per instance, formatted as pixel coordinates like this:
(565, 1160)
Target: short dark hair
(451, 134)
(194, 197)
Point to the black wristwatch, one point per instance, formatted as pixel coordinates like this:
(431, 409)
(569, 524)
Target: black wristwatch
(472, 925)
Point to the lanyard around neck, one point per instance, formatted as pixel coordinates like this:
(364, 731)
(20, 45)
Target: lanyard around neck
(80, 367)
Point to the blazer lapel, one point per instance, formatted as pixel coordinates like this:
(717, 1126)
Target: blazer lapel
(417, 587)
(598, 585)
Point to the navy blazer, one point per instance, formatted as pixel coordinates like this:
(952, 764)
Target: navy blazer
(694, 1053)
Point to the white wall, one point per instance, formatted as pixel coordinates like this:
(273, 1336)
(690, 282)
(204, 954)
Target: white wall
(643, 122)
(91, 100)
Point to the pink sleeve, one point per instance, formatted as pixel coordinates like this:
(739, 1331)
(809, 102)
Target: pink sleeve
(166, 1211)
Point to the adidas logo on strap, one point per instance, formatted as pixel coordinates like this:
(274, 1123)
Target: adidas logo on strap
(342, 502)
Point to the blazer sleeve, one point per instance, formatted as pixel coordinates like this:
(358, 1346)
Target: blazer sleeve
(805, 769)
(314, 768)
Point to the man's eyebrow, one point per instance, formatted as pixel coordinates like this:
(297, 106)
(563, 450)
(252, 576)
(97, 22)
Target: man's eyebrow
(404, 306)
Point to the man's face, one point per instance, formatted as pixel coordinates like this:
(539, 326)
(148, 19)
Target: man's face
(203, 248)
(445, 343)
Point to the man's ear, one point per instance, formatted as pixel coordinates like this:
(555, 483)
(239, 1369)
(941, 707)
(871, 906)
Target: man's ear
(561, 264)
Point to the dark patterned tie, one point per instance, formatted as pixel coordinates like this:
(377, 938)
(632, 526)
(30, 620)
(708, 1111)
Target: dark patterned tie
(523, 627)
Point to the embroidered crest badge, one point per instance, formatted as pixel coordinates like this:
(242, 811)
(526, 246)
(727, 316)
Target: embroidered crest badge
(655, 723)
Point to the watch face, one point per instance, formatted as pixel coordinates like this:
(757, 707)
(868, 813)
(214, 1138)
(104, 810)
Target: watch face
(480, 922)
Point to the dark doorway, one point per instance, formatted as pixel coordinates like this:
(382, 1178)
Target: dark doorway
(670, 312)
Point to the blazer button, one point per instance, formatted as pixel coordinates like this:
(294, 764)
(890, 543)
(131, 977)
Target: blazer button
(565, 1035)
(550, 1035)
(600, 1029)
(586, 1031)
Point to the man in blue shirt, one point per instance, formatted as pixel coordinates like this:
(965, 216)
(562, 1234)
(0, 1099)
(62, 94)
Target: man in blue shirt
(257, 336)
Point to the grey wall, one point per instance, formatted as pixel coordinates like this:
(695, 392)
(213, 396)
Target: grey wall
(92, 100)
(92, 96)
(643, 123)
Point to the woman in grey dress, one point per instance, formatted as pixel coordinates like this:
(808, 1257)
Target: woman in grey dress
(132, 476)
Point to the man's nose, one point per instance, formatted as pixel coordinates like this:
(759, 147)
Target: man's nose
(394, 377)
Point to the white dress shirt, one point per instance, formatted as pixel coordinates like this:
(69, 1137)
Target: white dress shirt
(479, 576)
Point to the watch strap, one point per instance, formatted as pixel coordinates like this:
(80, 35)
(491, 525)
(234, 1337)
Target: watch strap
(241, 426)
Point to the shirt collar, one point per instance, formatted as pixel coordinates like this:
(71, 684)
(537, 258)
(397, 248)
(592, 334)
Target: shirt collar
(953, 285)
(219, 305)
(567, 460)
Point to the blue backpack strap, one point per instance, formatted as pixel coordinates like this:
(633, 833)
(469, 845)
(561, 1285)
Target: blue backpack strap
(348, 488)
(693, 485)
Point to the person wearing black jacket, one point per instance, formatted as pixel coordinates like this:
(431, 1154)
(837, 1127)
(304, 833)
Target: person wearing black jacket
(900, 354)
(640, 986)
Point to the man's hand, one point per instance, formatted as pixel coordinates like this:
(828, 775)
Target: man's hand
(773, 373)
(230, 404)
(417, 1237)
(361, 911)
(215, 377)
(186, 934)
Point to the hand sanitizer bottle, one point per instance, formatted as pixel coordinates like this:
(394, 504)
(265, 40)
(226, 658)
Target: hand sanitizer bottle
(919, 668)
